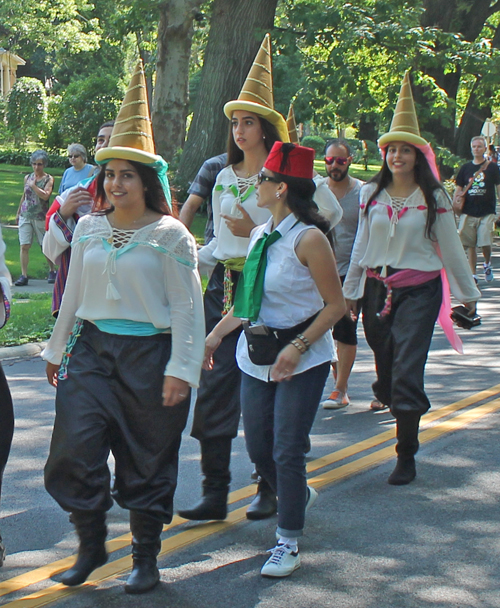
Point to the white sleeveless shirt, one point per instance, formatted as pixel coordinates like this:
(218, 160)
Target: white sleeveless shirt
(290, 297)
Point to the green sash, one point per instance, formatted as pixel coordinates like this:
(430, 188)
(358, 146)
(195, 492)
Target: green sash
(248, 298)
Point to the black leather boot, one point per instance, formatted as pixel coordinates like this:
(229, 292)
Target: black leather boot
(406, 448)
(146, 531)
(215, 458)
(91, 529)
(264, 504)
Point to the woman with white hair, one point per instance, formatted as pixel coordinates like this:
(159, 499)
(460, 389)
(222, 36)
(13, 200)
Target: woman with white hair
(79, 170)
(30, 216)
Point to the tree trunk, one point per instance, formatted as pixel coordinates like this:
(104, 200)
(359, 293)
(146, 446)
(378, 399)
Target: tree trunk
(367, 128)
(237, 28)
(471, 124)
(175, 31)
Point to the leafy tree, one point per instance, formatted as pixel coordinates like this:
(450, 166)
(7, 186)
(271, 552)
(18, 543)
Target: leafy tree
(26, 109)
(84, 106)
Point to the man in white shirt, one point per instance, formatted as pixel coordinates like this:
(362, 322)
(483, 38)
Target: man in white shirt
(338, 159)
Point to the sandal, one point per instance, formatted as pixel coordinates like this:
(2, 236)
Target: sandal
(377, 406)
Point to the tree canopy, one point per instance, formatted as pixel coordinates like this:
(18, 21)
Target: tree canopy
(340, 62)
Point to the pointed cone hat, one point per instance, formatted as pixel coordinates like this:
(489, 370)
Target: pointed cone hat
(404, 125)
(292, 126)
(132, 135)
(257, 93)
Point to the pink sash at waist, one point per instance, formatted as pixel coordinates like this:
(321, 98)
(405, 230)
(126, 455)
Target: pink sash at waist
(408, 278)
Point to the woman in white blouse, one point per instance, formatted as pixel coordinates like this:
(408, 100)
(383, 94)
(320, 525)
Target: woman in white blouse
(405, 253)
(290, 288)
(123, 379)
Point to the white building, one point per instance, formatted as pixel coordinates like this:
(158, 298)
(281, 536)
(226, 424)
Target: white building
(8, 69)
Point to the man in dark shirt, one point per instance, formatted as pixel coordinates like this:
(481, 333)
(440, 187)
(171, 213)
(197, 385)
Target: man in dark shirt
(201, 189)
(479, 212)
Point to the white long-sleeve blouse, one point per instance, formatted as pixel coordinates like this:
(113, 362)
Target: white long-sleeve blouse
(388, 237)
(153, 279)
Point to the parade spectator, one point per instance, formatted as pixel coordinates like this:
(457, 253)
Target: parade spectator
(133, 313)
(6, 409)
(79, 170)
(406, 250)
(290, 288)
(476, 224)
(201, 190)
(62, 217)
(31, 213)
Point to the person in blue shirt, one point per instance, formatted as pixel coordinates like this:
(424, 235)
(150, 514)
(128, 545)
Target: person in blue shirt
(79, 170)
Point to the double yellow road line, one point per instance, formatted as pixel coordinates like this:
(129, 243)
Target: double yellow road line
(188, 537)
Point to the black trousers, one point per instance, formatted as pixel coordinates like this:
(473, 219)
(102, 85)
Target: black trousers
(217, 409)
(6, 423)
(401, 341)
(112, 401)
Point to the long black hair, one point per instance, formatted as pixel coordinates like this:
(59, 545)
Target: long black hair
(153, 194)
(425, 180)
(299, 197)
(235, 155)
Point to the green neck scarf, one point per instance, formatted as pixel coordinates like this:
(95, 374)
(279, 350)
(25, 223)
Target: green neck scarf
(248, 298)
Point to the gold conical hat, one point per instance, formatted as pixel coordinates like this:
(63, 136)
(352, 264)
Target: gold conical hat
(292, 126)
(132, 135)
(404, 125)
(256, 94)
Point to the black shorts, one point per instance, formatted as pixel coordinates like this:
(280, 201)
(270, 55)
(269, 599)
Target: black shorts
(345, 329)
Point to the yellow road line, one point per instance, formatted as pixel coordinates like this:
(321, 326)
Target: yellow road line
(189, 536)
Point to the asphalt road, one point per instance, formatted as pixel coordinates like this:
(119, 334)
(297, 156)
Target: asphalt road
(434, 543)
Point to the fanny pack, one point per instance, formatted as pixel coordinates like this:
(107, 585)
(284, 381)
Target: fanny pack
(265, 343)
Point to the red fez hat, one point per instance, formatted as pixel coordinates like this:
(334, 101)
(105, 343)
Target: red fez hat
(290, 159)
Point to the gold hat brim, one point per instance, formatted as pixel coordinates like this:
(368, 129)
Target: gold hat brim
(275, 118)
(122, 153)
(409, 138)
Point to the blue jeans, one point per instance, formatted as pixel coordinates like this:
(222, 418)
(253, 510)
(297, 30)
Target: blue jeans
(277, 418)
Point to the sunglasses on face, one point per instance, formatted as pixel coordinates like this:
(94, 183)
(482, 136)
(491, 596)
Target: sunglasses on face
(73, 156)
(340, 160)
(262, 177)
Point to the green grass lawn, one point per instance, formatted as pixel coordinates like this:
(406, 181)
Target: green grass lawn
(11, 189)
(30, 321)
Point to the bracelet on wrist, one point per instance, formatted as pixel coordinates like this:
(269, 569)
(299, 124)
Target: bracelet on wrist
(303, 339)
(300, 347)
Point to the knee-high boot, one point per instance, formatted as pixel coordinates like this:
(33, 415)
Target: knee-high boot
(146, 531)
(265, 503)
(406, 448)
(91, 529)
(215, 459)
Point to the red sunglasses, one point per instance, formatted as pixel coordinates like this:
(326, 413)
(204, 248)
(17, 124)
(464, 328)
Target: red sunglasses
(340, 160)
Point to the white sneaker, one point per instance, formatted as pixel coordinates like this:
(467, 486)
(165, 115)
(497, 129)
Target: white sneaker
(336, 401)
(283, 562)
